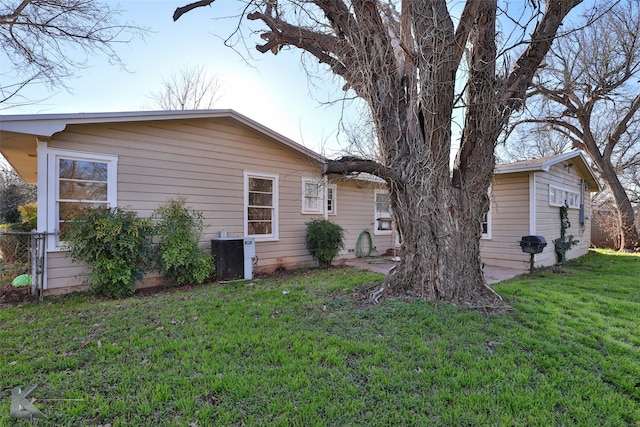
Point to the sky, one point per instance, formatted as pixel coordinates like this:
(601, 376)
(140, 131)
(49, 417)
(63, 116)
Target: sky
(273, 90)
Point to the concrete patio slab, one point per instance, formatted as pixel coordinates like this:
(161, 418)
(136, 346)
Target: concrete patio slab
(384, 265)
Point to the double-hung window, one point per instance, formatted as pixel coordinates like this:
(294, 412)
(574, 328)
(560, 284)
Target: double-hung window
(318, 197)
(382, 213)
(261, 205)
(79, 180)
(332, 199)
(312, 196)
(486, 225)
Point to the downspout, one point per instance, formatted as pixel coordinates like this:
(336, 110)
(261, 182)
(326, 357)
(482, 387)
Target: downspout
(325, 182)
(582, 212)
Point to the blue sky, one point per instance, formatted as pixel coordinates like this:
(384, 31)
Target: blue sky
(273, 90)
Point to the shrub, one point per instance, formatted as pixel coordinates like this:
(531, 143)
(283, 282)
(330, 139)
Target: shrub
(114, 244)
(324, 240)
(29, 216)
(178, 255)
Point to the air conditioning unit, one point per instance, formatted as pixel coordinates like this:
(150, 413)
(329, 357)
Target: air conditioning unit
(234, 257)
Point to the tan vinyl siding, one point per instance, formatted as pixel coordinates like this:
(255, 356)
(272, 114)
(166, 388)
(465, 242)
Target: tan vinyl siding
(61, 273)
(548, 216)
(509, 221)
(204, 161)
(510, 217)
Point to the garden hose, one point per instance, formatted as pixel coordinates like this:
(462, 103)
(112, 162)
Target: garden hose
(364, 245)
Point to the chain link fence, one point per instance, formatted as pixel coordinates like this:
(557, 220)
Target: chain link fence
(22, 261)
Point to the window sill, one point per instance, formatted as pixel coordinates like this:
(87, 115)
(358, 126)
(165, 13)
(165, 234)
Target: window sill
(264, 239)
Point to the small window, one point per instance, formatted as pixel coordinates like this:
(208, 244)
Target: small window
(382, 213)
(560, 197)
(261, 205)
(312, 197)
(332, 199)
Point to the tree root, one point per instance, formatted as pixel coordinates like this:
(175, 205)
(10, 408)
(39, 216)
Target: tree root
(376, 295)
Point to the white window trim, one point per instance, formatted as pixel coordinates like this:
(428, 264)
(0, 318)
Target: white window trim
(53, 187)
(376, 215)
(566, 192)
(487, 235)
(262, 237)
(321, 197)
(334, 199)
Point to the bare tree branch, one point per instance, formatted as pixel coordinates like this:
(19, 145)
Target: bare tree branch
(588, 92)
(349, 165)
(402, 59)
(36, 37)
(182, 10)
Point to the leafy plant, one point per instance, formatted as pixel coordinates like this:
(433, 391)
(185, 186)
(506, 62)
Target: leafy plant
(324, 240)
(29, 215)
(564, 243)
(116, 246)
(178, 254)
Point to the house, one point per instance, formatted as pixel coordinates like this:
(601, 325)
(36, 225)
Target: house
(248, 180)
(526, 198)
(245, 178)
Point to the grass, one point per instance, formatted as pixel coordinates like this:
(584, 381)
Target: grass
(250, 354)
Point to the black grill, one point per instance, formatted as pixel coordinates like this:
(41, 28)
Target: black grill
(533, 244)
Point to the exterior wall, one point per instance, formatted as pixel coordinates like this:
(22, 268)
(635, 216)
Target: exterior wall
(509, 222)
(511, 218)
(548, 217)
(355, 214)
(202, 160)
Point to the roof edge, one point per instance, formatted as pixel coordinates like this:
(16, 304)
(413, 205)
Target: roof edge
(46, 125)
(544, 166)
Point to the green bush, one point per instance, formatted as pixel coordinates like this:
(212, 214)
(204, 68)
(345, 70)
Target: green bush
(178, 255)
(324, 240)
(114, 244)
(29, 216)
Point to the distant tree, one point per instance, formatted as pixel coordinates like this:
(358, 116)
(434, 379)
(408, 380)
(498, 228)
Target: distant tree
(402, 58)
(45, 41)
(189, 88)
(531, 143)
(13, 193)
(588, 94)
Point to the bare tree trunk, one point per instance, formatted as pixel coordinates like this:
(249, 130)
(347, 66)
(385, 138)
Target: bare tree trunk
(440, 252)
(404, 65)
(627, 221)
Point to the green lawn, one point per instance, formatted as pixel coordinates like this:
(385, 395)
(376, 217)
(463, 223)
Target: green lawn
(251, 354)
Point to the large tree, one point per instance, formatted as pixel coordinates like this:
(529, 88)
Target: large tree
(402, 59)
(46, 41)
(588, 94)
